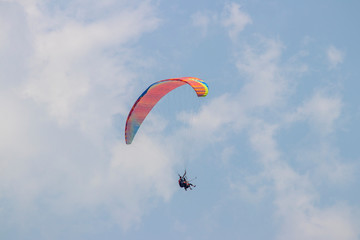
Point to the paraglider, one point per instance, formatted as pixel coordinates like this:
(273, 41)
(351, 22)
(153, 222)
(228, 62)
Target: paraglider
(184, 183)
(149, 98)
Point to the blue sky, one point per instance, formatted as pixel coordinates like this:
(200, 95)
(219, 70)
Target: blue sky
(274, 146)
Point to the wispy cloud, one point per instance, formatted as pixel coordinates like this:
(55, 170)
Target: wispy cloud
(264, 87)
(309, 222)
(67, 70)
(334, 56)
(58, 149)
(259, 108)
(203, 20)
(234, 19)
(321, 110)
(72, 57)
(296, 197)
(265, 84)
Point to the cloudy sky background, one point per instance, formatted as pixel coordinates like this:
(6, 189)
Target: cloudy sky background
(274, 146)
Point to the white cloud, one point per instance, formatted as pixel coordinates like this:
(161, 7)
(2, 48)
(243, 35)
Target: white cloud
(295, 193)
(330, 168)
(73, 58)
(58, 153)
(265, 86)
(296, 197)
(232, 18)
(216, 116)
(15, 44)
(202, 20)
(72, 75)
(336, 222)
(321, 110)
(306, 40)
(259, 108)
(138, 172)
(334, 56)
(251, 188)
(261, 138)
(235, 19)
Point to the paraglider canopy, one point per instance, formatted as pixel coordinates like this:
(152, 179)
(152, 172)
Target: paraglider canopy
(152, 95)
